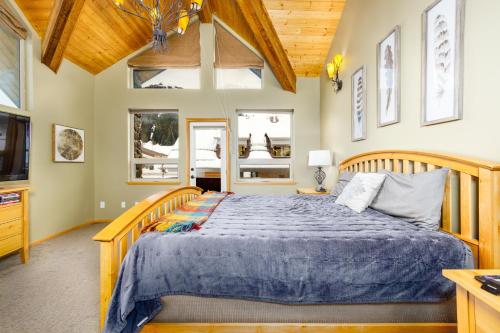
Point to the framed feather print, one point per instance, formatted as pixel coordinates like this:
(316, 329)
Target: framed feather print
(358, 105)
(388, 79)
(442, 54)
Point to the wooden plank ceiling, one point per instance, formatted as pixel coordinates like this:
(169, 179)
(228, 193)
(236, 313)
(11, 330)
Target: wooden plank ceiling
(306, 30)
(102, 35)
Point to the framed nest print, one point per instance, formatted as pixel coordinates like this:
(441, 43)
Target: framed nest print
(388, 79)
(358, 105)
(442, 54)
(68, 144)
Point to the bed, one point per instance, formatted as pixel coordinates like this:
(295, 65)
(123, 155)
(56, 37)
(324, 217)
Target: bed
(235, 229)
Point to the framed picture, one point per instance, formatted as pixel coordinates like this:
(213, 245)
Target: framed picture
(442, 54)
(389, 79)
(68, 144)
(358, 105)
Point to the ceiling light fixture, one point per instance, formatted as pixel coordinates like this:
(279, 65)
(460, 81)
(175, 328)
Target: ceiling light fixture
(163, 15)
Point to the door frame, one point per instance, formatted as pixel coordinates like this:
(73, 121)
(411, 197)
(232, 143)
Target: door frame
(188, 146)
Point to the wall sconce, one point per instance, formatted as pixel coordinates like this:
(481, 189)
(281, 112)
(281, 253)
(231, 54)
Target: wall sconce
(333, 72)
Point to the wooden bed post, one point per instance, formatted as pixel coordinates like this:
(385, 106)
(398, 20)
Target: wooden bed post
(108, 274)
(489, 218)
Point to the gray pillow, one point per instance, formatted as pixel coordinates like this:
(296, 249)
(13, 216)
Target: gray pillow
(417, 198)
(344, 179)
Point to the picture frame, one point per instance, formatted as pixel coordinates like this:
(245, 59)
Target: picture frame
(68, 144)
(389, 78)
(358, 104)
(442, 62)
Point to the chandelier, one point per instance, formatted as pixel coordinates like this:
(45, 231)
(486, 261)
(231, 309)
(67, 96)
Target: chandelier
(163, 15)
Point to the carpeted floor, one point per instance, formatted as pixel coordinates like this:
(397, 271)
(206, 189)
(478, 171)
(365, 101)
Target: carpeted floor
(57, 291)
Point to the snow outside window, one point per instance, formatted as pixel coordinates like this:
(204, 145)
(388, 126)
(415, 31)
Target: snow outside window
(154, 146)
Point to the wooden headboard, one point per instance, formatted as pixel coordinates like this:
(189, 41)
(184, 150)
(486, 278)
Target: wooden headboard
(471, 206)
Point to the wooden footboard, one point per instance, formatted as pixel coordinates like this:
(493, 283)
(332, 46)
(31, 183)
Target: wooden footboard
(120, 234)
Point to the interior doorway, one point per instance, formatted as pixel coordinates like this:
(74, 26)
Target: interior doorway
(208, 154)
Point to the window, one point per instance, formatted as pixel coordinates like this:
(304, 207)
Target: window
(236, 65)
(10, 68)
(176, 68)
(265, 145)
(238, 78)
(154, 147)
(172, 78)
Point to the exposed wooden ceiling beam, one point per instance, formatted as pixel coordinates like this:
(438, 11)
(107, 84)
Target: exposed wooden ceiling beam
(269, 43)
(206, 13)
(62, 21)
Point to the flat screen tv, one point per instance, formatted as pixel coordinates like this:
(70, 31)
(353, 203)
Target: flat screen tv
(14, 147)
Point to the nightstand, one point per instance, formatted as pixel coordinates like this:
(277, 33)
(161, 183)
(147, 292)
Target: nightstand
(311, 191)
(477, 310)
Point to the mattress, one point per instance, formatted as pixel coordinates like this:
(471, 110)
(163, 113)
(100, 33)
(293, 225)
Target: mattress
(192, 309)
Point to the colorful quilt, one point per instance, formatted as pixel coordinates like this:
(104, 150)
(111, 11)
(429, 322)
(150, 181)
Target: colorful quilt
(190, 216)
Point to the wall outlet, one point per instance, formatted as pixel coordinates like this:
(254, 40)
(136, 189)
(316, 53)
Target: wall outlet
(124, 204)
(102, 204)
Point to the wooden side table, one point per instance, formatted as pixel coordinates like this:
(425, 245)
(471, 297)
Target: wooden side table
(311, 191)
(478, 311)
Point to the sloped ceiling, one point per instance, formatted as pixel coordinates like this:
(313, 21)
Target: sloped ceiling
(102, 35)
(306, 30)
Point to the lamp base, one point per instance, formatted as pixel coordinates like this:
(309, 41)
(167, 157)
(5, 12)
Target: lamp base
(320, 176)
(320, 188)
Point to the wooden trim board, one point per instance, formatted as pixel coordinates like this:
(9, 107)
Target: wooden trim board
(146, 183)
(271, 183)
(301, 328)
(66, 231)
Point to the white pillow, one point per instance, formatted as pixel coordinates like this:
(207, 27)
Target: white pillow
(361, 191)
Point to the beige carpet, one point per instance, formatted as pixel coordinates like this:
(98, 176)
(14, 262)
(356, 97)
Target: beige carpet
(57, 291)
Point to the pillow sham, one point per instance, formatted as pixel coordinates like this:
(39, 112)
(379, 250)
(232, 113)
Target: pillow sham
(360, 191)
(417, 198)
(344, 179)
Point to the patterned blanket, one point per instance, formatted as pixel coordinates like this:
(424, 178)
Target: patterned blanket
(190, 216)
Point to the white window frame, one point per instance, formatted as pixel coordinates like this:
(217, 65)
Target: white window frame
(22, 79)
(134, 161)
(282, 161)
(131, 79)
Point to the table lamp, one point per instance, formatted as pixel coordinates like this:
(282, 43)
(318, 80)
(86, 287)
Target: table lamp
(320, 159)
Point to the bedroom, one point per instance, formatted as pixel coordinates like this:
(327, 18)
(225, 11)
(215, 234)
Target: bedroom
(87, 85)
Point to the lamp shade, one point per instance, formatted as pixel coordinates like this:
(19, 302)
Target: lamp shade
(320, 158)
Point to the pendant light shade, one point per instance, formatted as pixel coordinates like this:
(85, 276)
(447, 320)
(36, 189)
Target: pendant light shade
(196, 4)
(183, 22)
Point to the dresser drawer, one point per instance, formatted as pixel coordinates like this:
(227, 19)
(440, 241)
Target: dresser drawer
(10, 212)
(10, 244)
(10, 229)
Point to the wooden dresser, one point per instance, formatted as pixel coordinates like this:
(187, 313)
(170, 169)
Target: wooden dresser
(14, 224)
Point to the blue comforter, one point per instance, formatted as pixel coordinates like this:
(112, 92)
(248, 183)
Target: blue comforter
(290, 250)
